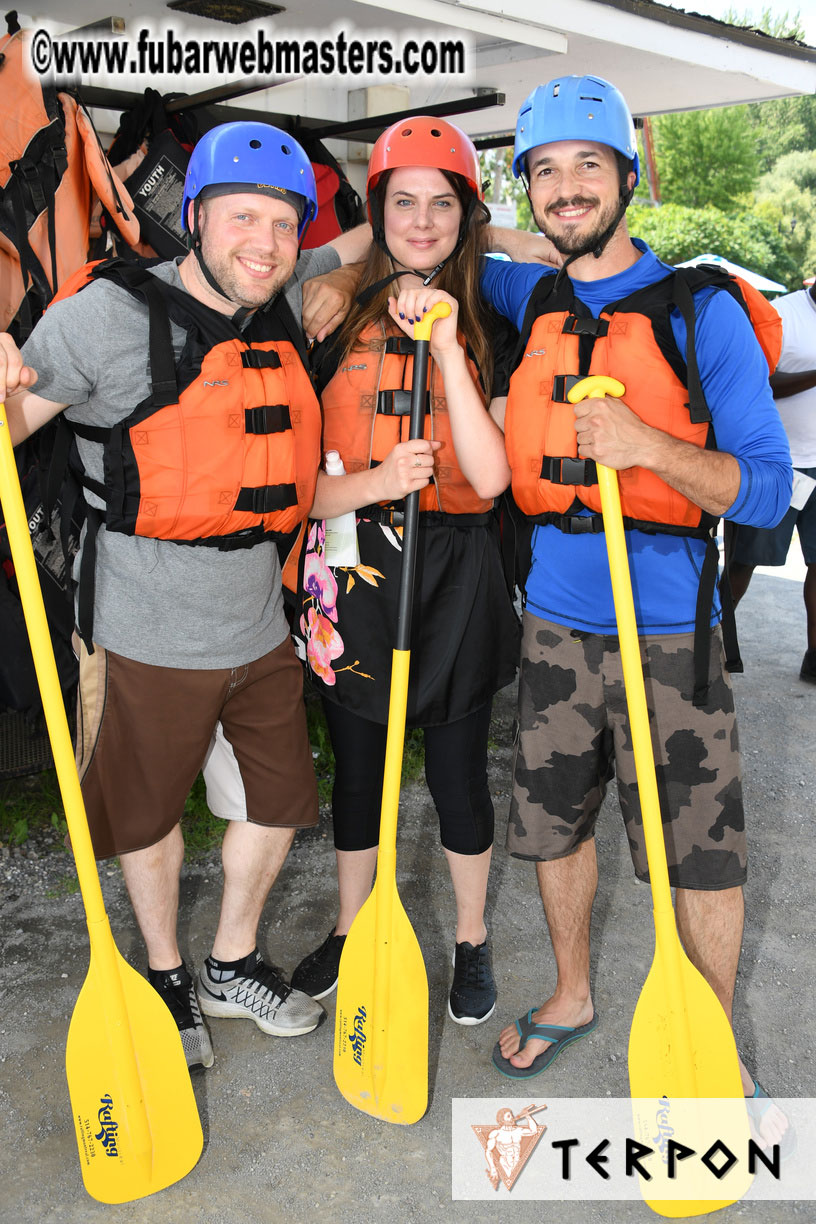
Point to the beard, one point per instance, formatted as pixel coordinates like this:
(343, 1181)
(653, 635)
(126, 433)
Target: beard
(571, 238)
(241, 290)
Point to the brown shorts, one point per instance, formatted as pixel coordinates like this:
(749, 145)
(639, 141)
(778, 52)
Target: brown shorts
(143, 733)
(574, 736)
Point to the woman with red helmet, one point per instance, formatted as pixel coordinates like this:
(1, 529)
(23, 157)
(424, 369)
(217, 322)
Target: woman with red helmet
(430, 231)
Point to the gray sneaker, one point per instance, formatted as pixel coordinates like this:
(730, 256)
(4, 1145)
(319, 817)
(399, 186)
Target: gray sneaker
(176, 988)
(261, 994)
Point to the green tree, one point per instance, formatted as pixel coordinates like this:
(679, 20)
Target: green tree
(504, 188)
(786, 198)
(784, 125)
(677, 233)
(778, 25)
(706, 157)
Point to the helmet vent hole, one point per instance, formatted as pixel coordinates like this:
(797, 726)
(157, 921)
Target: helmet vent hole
(435, 132)
(407, 131)
(254, 144)
(285, 149)
(556, 89)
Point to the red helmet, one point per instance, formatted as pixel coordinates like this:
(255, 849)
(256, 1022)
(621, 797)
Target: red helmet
(423, 140)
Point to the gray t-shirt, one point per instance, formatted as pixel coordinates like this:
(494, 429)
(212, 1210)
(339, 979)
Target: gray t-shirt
(158, 602)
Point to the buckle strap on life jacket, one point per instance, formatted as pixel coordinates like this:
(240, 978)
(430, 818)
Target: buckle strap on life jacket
(702, 622)
(394, 516)
(584, 325)
(402, 346)
(267, 419)
(562, 385)
(583, 524)
(684, 301)
(266, 499)
(87, 577)
(260, 359)
(567, 470)
(398, 403)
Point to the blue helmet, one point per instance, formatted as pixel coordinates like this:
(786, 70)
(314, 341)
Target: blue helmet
(255, 157)
(575, 108)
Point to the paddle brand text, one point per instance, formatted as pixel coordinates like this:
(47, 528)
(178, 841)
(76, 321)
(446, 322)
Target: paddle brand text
(358, 1038)
(107, 1134)
(665, 1130)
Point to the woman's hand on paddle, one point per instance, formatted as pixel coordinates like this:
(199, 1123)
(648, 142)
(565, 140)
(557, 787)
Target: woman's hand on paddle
(407, 469)
(14, 373)
(412, 304)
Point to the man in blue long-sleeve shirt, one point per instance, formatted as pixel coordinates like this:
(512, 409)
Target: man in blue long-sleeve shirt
(575, 145)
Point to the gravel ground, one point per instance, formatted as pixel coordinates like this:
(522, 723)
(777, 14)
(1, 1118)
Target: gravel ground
(280, 1143)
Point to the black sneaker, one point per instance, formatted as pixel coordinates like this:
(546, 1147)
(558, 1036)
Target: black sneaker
(808, 669)
(316, 975)
(176, 988)
(472, 997)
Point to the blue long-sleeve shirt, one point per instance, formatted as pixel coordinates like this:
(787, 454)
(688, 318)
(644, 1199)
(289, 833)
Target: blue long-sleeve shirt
(569, 577)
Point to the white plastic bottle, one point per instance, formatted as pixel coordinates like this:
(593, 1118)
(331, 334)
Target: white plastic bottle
(341, 533)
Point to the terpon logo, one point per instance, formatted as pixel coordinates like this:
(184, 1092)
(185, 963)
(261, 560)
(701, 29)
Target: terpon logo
(510, 1144)
(107, 1134)
(358, 1037)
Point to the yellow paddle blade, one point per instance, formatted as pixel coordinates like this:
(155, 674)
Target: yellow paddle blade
(134, 1137)
(381, 1032)
(685, 1083)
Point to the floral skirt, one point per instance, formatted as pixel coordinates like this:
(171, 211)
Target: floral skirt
(465, 633)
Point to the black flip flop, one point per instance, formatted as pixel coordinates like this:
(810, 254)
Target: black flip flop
(559, 1034)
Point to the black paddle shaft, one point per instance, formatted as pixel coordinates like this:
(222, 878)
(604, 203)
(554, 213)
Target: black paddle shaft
(411, 523)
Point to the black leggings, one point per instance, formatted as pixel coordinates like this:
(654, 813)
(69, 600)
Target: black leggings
(455, 770)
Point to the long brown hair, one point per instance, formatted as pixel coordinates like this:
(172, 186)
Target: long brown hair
(459, 278)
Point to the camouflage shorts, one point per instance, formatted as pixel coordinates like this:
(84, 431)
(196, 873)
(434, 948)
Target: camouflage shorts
(574, 736)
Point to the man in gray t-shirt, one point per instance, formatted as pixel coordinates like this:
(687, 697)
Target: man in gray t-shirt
(186, 636)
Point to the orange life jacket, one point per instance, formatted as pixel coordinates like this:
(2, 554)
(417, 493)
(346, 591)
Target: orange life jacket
(51, 163)
(366, 412)
(225, 450)
(631, 341)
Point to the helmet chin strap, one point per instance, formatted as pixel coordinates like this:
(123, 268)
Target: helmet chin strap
(597, 245)
(241, 312)
(195, 245)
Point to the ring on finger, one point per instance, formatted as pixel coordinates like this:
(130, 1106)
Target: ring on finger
(417, 462)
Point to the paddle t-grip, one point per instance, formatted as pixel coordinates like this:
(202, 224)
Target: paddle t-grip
(596, 386)
(423, 326)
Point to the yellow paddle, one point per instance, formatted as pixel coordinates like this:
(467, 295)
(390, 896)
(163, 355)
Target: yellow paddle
(381, 1032)
(681, 1046)
(135, 1115)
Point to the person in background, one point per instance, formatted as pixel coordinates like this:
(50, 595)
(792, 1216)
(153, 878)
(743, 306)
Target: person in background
(794, 389)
